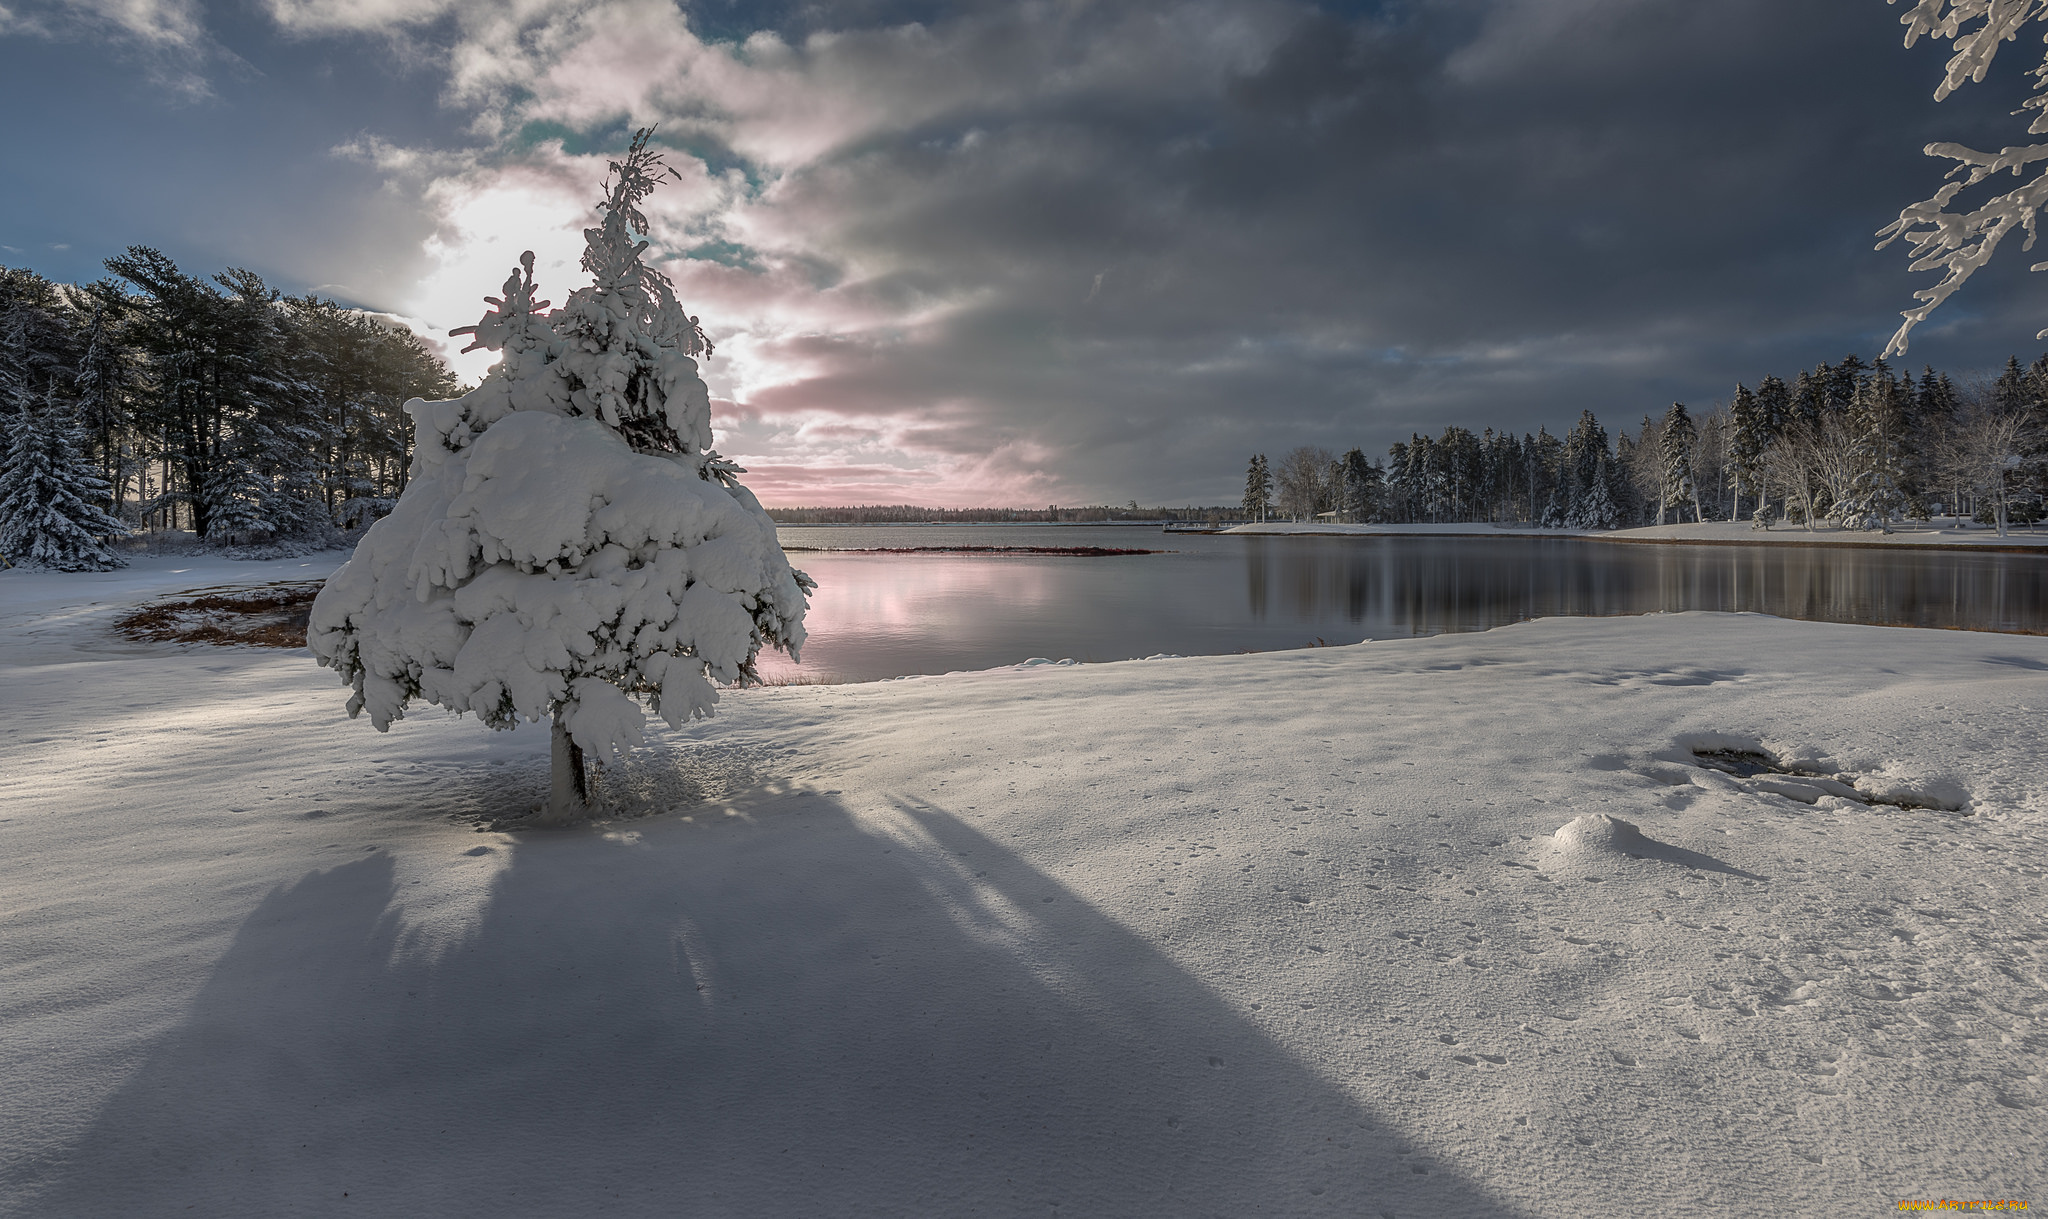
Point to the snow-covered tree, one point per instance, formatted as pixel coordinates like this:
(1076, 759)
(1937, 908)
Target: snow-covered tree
(1957, 243)
(102, 387)
(1676, 441)
(567, 540)
(262, 484)
(1879, 425)
(1597, 507)
(1258, 488)
(1808, 400)
(1989, 451)
(1584, 495)
(49, 496)
(1749, 438)
(36, 348)
(1361, 481)
(1542, 459)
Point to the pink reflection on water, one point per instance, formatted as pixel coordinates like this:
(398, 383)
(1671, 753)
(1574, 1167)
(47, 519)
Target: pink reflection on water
(879, 603)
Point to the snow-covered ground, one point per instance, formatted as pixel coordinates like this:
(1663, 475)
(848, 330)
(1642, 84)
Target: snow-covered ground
(1710, 531)
(1284, 934)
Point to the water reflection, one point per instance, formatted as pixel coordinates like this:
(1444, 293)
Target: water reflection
(887, 615)
(1426, 586)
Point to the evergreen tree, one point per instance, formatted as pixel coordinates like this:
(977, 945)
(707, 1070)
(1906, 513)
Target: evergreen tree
(1258, 488)
(1878, 493)
(1502, 464)
(1774, 403)
(568, 539)
(1750, 439)
(1584, 495)
(1542, 456)
(1464, 472)
(37, 350)
(1398, 503)
(1808, 399)
(178, 331)
(263, 483)
(1596, 506)
(1424, 475)
(103, 386)
(1360, 480)
(49, 495)
(1843, 384)
(1677, 441)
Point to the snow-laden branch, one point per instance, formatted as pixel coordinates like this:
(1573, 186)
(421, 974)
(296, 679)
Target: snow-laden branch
(1974, 48)
(1958, 243)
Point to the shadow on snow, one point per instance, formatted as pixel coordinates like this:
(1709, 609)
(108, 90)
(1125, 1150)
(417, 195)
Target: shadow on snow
(805, 1010)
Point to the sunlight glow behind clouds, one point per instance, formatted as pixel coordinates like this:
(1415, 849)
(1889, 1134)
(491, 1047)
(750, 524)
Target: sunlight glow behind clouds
(809, 307)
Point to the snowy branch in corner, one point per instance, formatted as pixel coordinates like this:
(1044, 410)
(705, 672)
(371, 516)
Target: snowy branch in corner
(1958, 243)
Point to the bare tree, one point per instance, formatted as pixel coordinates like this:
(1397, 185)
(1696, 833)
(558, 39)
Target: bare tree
(1304, 482)
(1989, 452)
(1950, 461)
(1711, 471)
(1815, 462)
(1643, 463)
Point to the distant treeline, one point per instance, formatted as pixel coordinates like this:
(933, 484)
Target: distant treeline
(212, 403)
(910, 514)
(1852, 443)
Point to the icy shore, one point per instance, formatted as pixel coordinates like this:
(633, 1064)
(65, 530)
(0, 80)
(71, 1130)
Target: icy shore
(1289, 934)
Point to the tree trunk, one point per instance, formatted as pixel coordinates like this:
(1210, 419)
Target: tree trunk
(569, 791)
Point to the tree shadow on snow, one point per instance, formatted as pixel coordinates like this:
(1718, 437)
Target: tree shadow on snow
(805, 1011)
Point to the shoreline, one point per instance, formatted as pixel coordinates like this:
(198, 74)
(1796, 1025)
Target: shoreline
(1713, 533)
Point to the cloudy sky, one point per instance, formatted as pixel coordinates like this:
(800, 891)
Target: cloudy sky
(1054, 251)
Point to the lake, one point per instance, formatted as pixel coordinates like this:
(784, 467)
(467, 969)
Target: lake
(895, 614)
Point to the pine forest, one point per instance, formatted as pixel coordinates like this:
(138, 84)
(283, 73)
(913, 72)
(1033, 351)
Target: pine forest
(1854, 445)
(164, 400)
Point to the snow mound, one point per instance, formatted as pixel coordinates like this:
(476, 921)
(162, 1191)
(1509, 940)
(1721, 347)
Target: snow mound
(1600, 832)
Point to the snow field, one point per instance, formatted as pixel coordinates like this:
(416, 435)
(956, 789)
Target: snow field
(1282, 934)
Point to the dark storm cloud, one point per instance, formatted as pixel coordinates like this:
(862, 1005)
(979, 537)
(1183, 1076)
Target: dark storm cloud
(1492, 215)
(1025, 252)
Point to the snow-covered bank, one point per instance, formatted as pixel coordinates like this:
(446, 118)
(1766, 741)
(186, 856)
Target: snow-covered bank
(1276, 934)
(1741, 533)
(1457, 529)
(1711, 532)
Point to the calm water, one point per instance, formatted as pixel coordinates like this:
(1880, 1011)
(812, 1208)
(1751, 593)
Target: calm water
(888, 615)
